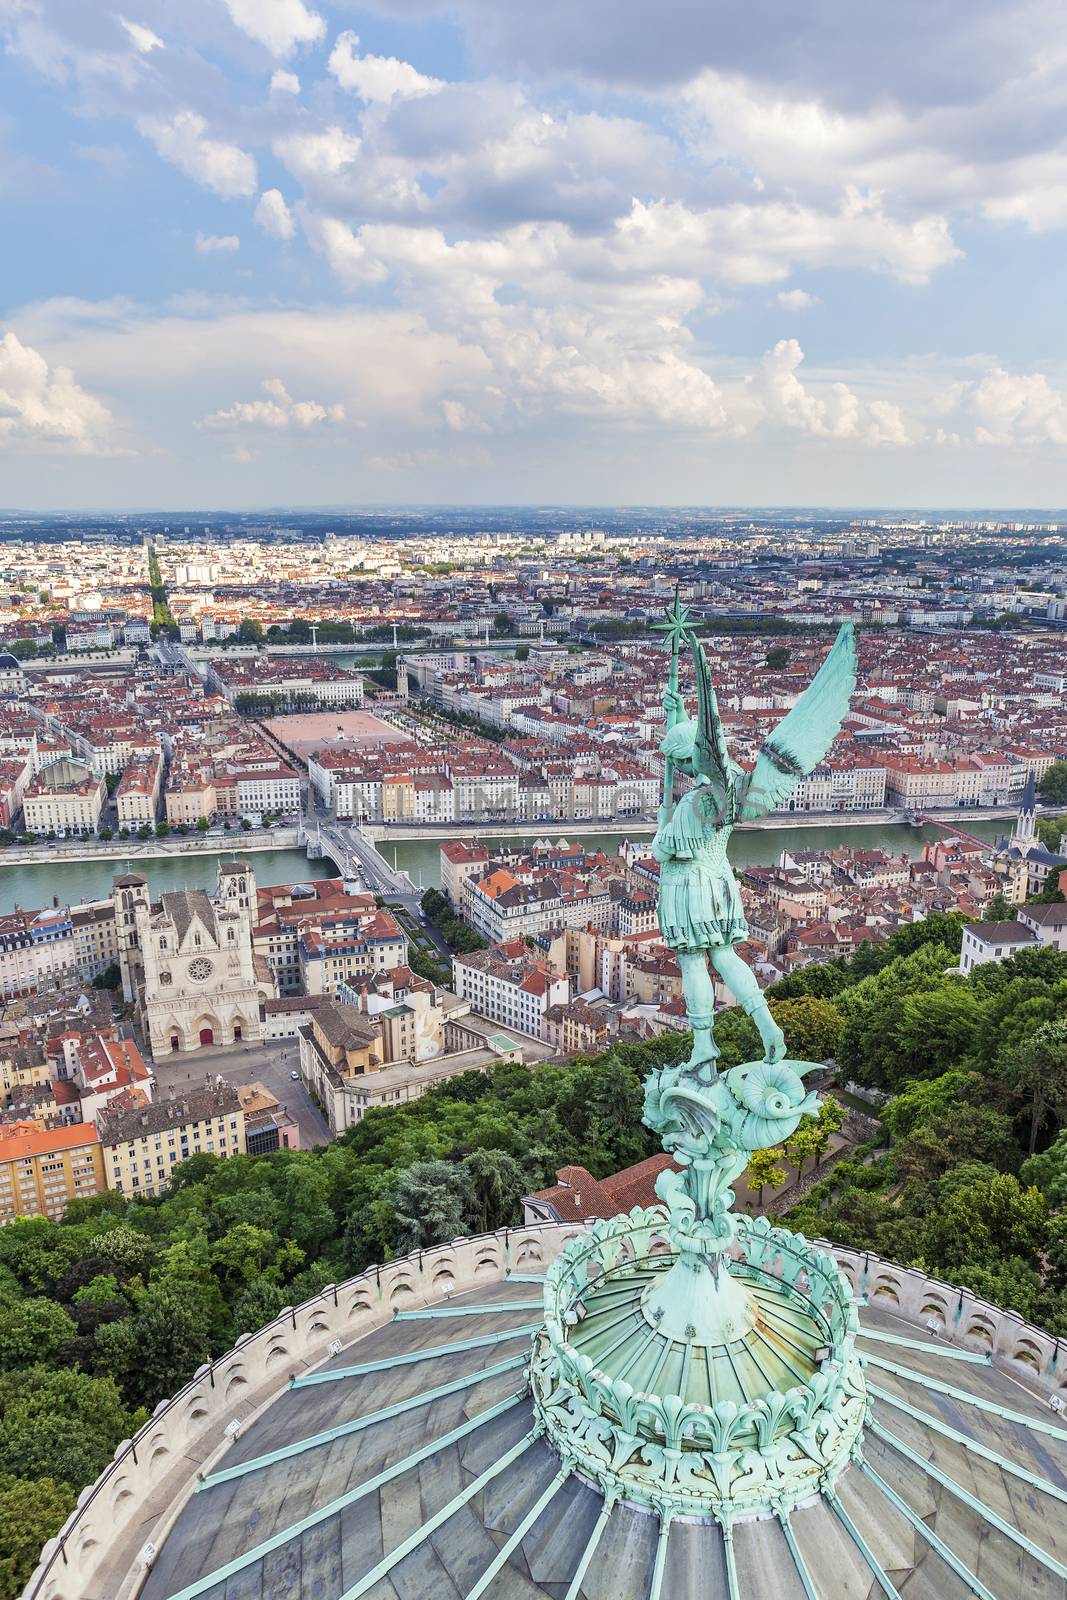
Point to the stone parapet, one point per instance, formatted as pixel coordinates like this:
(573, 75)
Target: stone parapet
(101, 1552)
(958, 1316)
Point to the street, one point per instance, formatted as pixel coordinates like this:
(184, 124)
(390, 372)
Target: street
(269, 1063)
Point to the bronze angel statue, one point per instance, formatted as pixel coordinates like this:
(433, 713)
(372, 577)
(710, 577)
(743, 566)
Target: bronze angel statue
(701, 916)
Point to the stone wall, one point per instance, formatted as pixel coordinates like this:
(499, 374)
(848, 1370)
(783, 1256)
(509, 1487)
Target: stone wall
(957, 1315)
(102, 1551)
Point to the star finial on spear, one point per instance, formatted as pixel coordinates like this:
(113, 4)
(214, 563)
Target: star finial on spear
(676, 626)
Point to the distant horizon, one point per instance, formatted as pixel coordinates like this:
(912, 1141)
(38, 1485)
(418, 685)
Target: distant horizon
(371, 507)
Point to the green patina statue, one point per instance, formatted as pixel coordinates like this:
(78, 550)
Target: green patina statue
(700, 911)
(693, 1360)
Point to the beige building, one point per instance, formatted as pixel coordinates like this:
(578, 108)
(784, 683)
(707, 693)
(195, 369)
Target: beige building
(188, 964)
(96, 945)
(460, 861)
(191, 796)
(137, 796)
(65, 796)
(338, 1047)
(42, 1169)
(142, 1146)
(22, 1069)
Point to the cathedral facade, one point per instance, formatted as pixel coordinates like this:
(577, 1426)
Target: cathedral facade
(187, 962)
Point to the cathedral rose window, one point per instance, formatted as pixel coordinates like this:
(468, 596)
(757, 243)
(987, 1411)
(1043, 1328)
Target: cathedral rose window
(200, 969)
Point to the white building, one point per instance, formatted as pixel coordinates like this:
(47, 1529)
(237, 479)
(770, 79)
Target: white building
(509, 985)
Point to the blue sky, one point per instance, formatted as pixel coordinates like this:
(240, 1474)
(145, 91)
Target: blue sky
(278, 251)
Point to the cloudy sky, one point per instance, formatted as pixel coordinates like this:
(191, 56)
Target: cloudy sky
(701, 251)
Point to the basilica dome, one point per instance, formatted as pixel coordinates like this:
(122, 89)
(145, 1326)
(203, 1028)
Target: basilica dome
(390, 1439)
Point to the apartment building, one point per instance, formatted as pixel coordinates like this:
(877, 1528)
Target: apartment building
(143, 1144)
(66, 796)
(460, 861)
(337, 1047)
(510, 985)
(43, 1169)
(37, 950)
(502, 908)
(137, 795)
(272, 790)
(330, 955)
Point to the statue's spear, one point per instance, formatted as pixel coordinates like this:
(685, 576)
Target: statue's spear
(675, 629)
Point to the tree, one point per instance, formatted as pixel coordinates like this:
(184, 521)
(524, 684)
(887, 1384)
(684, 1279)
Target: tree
(251, 631)
(828, 1121)
(202, 824)
(153, 1353)
(777, 657)
(1036, 1075)
(432, 1201)
(999, 909)
(31, 1331)
(62, 1425)
(1049, 1172)
(1052, 788)
(804, 1142)
(498, 1183)
(502, 623)
(1050, 831)
(812, 1027)
(522, 652)
(982, 1222)
(765, 1167)
(31, 1512)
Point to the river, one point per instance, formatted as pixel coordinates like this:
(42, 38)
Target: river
(74, 881)
(749, 847)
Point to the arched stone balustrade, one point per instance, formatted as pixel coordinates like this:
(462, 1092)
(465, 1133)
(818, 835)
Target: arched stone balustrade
(138, 1496)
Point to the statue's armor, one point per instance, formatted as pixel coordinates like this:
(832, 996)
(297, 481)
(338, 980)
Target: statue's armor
(699, 901)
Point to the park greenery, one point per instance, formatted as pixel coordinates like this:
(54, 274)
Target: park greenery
(110, 1310)
(1053, 786)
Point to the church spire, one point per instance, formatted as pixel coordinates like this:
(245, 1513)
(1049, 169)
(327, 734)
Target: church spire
(1026, 821)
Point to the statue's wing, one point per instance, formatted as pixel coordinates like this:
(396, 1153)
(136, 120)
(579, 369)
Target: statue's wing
(806, 732)
(710, 751)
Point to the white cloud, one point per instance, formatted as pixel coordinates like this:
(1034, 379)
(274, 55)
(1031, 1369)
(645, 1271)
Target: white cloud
(310, 156)
(834, 411)
(377, 78)
(283, 82)
(1005, 408)
(182, 140)
(460, 419)
(45, 406)
(797, 299)
(279, 410)
(211, 243)
(273, 215)
(143, 38)
(278, 25)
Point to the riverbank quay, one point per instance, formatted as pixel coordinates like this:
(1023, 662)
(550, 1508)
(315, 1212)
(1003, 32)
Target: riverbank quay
(389, 832)
(58, 851)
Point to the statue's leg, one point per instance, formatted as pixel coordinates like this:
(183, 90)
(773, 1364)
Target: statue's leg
(699, 1003)
(741, 981)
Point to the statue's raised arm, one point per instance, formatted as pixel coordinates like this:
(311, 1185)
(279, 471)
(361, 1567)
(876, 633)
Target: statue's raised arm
(805, 734)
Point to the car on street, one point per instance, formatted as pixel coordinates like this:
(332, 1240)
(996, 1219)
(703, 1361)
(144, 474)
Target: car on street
(295, 1076)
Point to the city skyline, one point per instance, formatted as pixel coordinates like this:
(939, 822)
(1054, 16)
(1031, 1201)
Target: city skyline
(303, 254)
